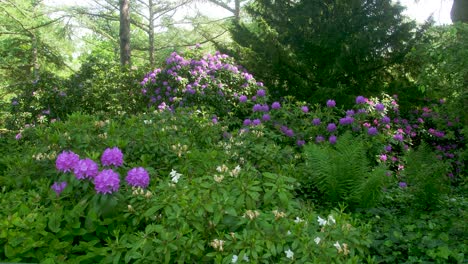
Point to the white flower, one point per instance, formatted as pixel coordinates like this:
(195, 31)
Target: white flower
(298, 220)
(288, 233)
(338, 246)
(217, 244)
(218, 178)
(317, 240)
(245, 258)
(175, 176)
(289, 254)
(331, 220)
(235, 172)
(234, 259)
(321, 221)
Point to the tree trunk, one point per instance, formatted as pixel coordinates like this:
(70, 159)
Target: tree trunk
(151, 34)
(124, 33)
(459, 12)
(237, 10)
(34, 57)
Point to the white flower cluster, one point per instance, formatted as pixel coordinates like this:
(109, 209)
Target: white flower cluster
(175, 176)
(324, 222)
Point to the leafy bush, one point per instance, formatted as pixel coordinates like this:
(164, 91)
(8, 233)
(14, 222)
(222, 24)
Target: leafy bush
(427, 177)
(402, 234)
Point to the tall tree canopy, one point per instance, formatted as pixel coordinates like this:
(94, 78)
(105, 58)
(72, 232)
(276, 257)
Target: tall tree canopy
(314, 49)
(28, 37)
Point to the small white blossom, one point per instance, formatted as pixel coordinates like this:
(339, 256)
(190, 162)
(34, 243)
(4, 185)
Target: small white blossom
(298, 220)
(217, 244)
(321, 221)
(338, 247)
(175, 176)
(288, 233)
(235, 172)
(234, 259)
(289, 254)
(246, 258)
(317, 240)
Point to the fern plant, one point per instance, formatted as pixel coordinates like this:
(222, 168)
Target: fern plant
(342, 173)
(426, 177)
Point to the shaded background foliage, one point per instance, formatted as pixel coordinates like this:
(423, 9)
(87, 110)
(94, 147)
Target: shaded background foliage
(315, 50)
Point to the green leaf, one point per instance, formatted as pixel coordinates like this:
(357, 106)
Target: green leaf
(54, 222)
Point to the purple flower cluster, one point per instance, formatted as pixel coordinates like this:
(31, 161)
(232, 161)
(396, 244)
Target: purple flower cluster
(107, 182)
(360, 100)
(372, 131)
(331, 127)
(66, 161)
(348, 120)
(138, 177)
(112, 156)
(276, 105)
(200, 79)
(85, 168)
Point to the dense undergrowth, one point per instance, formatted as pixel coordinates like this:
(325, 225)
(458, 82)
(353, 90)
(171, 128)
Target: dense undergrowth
(233, 176)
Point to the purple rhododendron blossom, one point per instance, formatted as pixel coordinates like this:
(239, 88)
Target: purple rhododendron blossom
(85, 168)
(66, 161)
(379, 107)
(372, 131)
(300, 142)
(319, 139)
(266, 117)
(112, 156)
(403, 185)
(138, 177)
(346, 120)
(107, 181)
(350, 112)
(257, 108)
(385, 120)
(305, 109)
(332, 139)
(18, 136)
(256, 122)
(331, 103)
(247, 122)
(276, 105)
(398, 137)
(388, 148)
(261, 93)
(360, 100)
(316, 121)
(58, 187)
(331, 127)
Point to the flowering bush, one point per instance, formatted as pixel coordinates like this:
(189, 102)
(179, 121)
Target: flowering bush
(191, 79)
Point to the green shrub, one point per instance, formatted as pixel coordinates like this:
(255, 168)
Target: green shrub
(426, 176)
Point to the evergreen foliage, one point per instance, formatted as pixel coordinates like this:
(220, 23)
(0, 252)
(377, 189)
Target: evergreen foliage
(315, 50)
